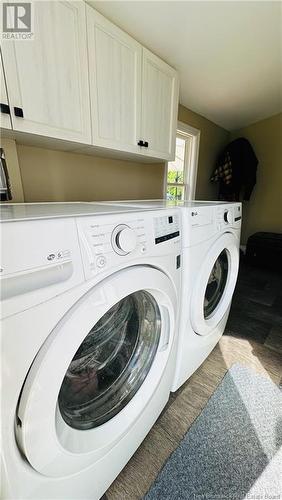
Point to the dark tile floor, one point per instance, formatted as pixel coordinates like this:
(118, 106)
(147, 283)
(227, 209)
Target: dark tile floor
(256, 312)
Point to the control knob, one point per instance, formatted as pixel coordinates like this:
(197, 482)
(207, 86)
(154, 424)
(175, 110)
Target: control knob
(124, 239)
(227, 217)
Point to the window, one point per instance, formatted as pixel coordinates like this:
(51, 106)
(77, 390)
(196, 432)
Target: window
(182, 172)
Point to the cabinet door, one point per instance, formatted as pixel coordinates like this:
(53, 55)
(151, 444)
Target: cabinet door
(115, 84)
(47, 77)
(160, 90)
(4, 115)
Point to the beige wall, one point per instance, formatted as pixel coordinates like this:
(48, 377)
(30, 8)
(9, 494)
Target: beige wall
(264, 210)
(213, 139)
(49, 175)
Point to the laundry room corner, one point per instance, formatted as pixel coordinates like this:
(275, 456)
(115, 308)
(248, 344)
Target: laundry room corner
(263, 212)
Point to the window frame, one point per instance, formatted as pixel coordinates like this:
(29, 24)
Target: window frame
(190, 162)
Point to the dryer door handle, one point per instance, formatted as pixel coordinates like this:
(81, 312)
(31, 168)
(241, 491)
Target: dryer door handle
(165, 337)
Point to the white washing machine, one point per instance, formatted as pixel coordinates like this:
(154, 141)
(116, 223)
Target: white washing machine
(89, 304)
(210, 262)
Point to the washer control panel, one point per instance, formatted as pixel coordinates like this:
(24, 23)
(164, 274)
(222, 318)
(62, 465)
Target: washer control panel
(166, 228)
(105, 241)
(229, 215)
(110, 240)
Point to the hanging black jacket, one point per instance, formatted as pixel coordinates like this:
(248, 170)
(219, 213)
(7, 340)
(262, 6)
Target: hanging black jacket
(243, 167)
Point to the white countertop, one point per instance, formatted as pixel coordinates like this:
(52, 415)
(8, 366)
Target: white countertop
(28, 211)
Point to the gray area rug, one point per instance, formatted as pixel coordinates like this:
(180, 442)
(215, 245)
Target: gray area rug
(231, 451)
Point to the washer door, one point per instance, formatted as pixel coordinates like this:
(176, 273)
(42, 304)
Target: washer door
(97, 371)
(215, 284)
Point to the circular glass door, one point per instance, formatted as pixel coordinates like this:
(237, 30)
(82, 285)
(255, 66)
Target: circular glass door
(111, 363)
(216, 284)
(97, 372)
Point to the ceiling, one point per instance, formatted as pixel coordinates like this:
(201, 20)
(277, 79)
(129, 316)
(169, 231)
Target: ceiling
(228, 53)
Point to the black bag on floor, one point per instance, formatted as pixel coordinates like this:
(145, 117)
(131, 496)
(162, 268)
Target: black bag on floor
(265, 250)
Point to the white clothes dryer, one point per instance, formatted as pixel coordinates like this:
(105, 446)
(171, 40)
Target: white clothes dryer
(89, 305)
(210, 262)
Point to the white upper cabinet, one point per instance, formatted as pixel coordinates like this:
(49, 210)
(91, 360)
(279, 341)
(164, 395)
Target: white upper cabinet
(82, 79)
(134, 94)
(5, 118)
(47, 78)
(160, 91)
(115, 61)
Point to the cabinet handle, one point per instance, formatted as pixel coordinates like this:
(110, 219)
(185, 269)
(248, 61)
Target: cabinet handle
(5, 108)
(18, 112)
(145, 144)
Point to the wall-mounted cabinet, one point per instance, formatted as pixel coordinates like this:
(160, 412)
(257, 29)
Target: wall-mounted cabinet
(160, 88)
(134, 94)
(47, 78)
(83, 79)
(115, 61)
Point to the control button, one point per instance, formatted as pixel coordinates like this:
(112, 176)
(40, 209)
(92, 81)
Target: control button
(101, 261)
